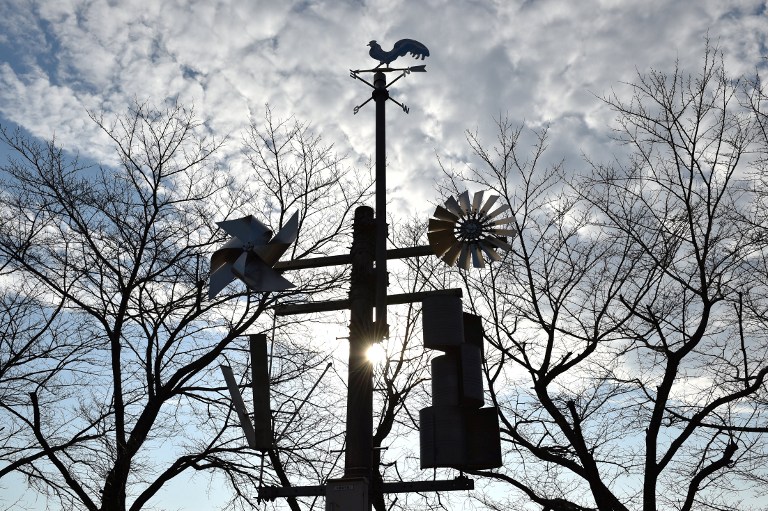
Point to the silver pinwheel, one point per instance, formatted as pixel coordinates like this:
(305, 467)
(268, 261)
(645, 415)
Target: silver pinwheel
(251, 254)
(464, 231)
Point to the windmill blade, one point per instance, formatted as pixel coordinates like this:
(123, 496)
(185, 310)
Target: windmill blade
(271, 252)
(266, 280)
(454, 207)
(477, 257)
(444, 214)
(274, 250)
(477, 200)
(220, 279)
(440, 225)
(259, 276)
(502, 221)
(289, 231)
(464, 258)
(233, 243)
(226, 255)
(247, 229)
(496, 212)
(452, 254)
(238, 267)
(490, 202)
(464, 202)
(441, 241)
(489, 251)
(504, 232)
(497, 242)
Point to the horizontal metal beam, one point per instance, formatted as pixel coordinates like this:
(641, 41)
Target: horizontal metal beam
(335, 305)
(274, 492)
(337, 260)
(307, 308)
(313, 262)
(421, 295)
(460, 483)
(402, 253)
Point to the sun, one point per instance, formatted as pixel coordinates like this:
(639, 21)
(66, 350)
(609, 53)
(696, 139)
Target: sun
(376, 354)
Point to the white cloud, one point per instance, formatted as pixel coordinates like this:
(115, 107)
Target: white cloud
(542, 62)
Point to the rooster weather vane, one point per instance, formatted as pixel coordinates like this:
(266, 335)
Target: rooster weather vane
(400, 49)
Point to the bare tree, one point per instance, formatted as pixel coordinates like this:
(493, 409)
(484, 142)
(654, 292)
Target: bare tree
(117, 258)
(630, 358)
(38, 347)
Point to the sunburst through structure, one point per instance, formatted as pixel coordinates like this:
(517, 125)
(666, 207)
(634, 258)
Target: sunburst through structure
(463, 231)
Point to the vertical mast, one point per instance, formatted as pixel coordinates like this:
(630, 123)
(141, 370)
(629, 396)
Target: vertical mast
(380, 96)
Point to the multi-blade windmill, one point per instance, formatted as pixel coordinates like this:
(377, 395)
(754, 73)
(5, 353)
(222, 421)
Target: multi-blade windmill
(251, 254)
(462, 231)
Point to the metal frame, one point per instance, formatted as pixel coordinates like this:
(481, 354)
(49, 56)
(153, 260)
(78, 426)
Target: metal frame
(367, 292)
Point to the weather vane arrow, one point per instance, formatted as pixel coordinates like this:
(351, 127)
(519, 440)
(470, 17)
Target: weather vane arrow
(401, 48)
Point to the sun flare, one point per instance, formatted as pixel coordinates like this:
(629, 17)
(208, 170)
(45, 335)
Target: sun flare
(376, 354)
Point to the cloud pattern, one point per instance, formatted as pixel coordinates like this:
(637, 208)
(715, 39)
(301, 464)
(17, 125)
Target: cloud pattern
(537, 61)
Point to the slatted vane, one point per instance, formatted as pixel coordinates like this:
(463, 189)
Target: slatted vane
(470, 232)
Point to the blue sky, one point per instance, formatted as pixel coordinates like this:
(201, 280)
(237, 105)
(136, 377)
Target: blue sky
(539, 62)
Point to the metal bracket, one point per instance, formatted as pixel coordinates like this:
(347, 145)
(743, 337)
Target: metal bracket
(355, 74)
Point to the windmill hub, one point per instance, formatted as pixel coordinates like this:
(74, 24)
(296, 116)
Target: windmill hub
(471, 230)
(250, 254)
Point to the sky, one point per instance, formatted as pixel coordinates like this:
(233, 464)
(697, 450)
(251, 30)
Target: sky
(539, 62)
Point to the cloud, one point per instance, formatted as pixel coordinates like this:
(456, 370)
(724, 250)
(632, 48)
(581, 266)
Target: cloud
(540, 62)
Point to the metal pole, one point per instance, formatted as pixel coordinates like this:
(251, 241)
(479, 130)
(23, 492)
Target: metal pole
(262, 415)
(358, 455)
(380, 96)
